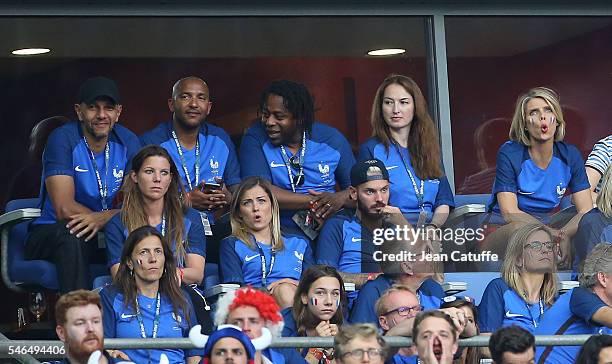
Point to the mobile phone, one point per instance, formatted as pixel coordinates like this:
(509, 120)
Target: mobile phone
(209, 186)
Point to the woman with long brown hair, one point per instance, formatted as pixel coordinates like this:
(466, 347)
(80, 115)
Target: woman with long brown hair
(152, 196)
(405, 138)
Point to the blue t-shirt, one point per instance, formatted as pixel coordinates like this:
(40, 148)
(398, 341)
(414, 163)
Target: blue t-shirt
(538, 190)
(594, 228)
(401, 359)
(579, 304)
(217, 153)
(501, 306)
(194, 240)
(436, 192)
(67, 154)
(327, 161)
(243, 265)
(121, 322)
(430, 296)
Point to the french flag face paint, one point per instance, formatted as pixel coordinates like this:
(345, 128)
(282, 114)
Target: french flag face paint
(314, 301)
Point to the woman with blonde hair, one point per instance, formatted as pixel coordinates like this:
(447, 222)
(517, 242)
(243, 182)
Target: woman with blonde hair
(534, 171)
(405, 139)
(596, 225)
(257, 253)
(152, 196)
(528, 283)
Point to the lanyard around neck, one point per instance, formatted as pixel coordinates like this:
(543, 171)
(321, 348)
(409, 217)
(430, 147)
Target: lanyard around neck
(265, 273)
(301, 162)
(143, 334)
(184, 162)
(418, 192)
(103, 190)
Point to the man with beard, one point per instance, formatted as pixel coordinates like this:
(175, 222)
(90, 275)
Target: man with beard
(83, 167)
(345, 242)
(203, 153)
(79, 327)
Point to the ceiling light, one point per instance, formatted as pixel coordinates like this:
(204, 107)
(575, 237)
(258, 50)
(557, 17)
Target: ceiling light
(386, 51)
(30, 51)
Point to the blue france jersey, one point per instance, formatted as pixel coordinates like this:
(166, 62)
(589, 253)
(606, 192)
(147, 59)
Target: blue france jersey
(328, 160)
(217, 153)
(116, 234)
(67, 154)
(243, 265)
(402, 359)
(501, 306)
(577, 305)
(436, 192)
(121, 322)
(594, 228)
(344, 245)
(430, 296)
(538, 190)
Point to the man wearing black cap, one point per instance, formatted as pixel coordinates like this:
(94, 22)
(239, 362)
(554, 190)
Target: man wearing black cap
(345, 242)
(83, 167)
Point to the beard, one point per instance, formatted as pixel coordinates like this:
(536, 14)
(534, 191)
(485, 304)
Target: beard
(370, 212)
(82, 351)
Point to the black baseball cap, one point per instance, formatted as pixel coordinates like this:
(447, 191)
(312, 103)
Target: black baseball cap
(368, 170)
(97, 87)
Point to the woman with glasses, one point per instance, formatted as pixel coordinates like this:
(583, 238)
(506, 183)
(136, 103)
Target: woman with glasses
(528, 283)
(534, 171)
(151, 196)
(303, 159)
(406, 140)
(257, 253)
(360, 343)
(318, 310)
(145, 299)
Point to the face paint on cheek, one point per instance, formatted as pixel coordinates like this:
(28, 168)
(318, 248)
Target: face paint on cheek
(552, 120)
(313, 301)
(530, 120)
(338, 302)
(140, 262)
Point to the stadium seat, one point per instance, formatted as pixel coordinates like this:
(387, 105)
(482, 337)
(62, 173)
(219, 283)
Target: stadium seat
(18, 273)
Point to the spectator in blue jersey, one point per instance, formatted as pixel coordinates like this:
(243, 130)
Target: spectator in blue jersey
(528, 283)
(406, 140)
(152, 196)
(252, 310)
(583, 310)
(83, 167)
(203, 153)
(360, 343)
(305, 160)
(512, 345)
(79, 327)
(257, 253)
(411, 269)
(435, 336)
(596, 350)
(345, 241)
(534, 171)
(597, 162)
(145, 299)
(318, 309)
(596, 225)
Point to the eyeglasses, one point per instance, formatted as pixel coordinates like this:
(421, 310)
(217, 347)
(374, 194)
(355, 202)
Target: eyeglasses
(538, 245)
(358, 353)
(405, 310)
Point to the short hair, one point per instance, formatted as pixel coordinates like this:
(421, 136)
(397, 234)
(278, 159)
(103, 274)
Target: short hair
(599, 260)
(512, 338)
(589, 353)
(296, 99)
(518, 127)
(421, 316)
(604, 198)
(380, 307)
(350, 332)
(175, 87)
(72, 299)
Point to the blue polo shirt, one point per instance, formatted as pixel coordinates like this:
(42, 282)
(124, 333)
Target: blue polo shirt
(67, 154)
(594, 228)
(538, 191)
(501, 306)
(430, 296)
(194, 240)
(578, 304)
(243, 265)
(121, 322)
(436, 192)
(327, 161)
